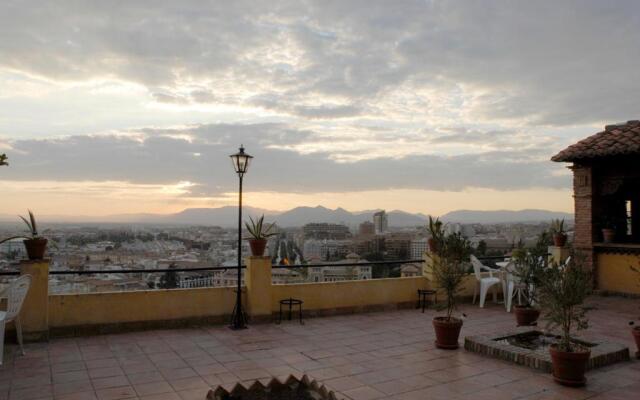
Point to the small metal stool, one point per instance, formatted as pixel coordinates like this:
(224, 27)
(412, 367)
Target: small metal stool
(422, 297)
(291, 302)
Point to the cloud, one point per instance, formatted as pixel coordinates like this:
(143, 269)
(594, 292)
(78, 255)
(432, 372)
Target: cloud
(538, 62)
(328, 95)
(199, 154)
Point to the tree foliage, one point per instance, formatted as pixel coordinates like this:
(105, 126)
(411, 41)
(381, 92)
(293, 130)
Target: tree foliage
(169, 280)
(563, 290)
(448, 267)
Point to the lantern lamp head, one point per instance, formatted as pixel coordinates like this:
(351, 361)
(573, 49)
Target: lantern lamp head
(241, 161)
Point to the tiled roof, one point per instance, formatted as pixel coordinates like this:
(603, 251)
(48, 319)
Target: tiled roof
(615, 140)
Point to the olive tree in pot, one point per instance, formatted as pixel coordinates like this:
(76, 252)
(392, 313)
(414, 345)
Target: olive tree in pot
(448, 268)
(527, 269)
(259, 233)
(34, 243)
(562, 292)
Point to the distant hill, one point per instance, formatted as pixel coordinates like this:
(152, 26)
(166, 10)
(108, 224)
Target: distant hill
(503, 216)
(303, 215)
(228, 217)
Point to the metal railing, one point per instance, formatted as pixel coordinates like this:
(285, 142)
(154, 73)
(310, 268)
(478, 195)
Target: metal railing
(197, 269)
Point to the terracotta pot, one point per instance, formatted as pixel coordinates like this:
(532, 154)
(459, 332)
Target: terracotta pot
(447, 332)
(433, 246)
(559, 239)
(636, 335)
(608, 235)
(569, 367)
(526, 316)
(35, 248)
(257, 246)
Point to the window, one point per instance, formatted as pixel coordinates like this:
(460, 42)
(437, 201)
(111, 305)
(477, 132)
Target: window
(629, 217)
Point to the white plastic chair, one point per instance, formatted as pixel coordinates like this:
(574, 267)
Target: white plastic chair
(15, 294)
(514, 287)
(485, 283)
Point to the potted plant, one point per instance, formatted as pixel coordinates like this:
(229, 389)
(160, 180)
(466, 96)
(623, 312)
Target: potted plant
(559, 234)
(527, 269)
(608, 229)
(448, 269)
(562, 292)
(259, 235)
(3, 160)
(436, 230)
(34, 244)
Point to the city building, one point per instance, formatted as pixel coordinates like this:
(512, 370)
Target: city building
(380, 222)
(397, 245)
(326, 249)
(418, 248)
(321, 231)
(367, 228)
(337, 273)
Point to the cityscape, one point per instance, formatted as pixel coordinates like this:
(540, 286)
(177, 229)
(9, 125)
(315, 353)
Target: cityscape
(110, 247)
(320, 200)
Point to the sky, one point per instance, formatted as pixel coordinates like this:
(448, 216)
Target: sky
(111, 107)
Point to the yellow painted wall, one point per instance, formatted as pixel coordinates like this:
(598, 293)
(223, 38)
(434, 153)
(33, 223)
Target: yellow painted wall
(615, 275)
(150, 305)
(95, 309)
(331, 295)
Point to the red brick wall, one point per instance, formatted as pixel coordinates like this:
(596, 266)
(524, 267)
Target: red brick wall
(583, 191)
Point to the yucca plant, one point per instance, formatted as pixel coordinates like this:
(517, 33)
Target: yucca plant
(557, 226)
(258, 230)
(34, 244)
(31, 224)
(559, 234)
(436, 230)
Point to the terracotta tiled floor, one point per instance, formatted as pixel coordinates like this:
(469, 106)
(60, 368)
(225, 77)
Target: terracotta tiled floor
(362, 357)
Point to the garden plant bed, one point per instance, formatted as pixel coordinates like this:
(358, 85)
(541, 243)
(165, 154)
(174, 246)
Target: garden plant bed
(531, 348)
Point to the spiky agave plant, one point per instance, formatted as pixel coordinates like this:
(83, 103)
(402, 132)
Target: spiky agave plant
(31, 224)
(258, 230)
(557, 226)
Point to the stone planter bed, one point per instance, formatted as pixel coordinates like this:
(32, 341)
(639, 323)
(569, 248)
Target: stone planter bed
(523, 347)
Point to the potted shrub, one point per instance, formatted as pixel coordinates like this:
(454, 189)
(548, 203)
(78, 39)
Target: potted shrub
(558, 232)
(448, 269)
(259, 235)
(527, 268)
(34, 244)
(562, 292)
(436, 230)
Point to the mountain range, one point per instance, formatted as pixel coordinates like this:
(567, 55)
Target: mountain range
(228, 217)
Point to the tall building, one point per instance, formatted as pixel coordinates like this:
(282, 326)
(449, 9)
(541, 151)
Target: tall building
(380, 222)
(367, 228)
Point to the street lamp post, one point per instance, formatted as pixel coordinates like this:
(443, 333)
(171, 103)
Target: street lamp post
(240, 162)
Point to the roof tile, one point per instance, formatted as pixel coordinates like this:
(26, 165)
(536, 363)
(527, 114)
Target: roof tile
(618, 139)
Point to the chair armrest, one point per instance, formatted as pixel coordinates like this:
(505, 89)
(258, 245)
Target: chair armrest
(490, 270)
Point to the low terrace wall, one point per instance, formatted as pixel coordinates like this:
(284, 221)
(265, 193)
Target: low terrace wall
(76, 314)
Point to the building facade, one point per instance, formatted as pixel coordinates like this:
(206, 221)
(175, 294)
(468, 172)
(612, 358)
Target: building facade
(606, 187)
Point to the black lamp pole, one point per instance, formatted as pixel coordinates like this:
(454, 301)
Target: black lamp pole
(240, 162)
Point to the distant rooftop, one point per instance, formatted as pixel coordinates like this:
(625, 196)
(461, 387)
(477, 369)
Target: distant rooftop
(616, 140)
